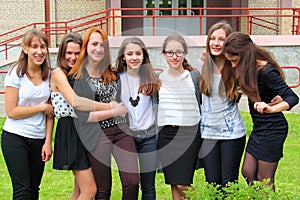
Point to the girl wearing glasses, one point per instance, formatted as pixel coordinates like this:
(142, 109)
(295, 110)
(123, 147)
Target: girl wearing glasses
(178, 117)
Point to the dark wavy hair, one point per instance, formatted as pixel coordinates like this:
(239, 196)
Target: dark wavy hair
(240, 44)
(69, 37)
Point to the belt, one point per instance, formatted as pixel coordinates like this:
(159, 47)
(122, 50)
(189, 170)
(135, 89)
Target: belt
(142, 133)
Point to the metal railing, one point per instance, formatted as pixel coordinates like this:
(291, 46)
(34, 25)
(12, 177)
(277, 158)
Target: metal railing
(109, 19)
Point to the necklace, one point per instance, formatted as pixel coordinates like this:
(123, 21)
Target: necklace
(134, 102)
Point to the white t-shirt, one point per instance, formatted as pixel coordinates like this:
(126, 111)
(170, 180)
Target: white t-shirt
(142, 116)
(29, 95)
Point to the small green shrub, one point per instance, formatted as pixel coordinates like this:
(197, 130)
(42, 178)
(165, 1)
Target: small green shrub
(237, 191)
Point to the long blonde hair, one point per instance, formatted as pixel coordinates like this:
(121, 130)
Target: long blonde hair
(228, 85)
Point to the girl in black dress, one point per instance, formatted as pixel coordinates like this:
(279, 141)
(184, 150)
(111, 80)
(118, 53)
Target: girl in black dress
(69, 152)
(261, 79)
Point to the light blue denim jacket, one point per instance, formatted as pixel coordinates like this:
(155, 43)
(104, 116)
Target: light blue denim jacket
(221, 118)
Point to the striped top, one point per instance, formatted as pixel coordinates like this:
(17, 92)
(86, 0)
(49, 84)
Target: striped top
(177, 101)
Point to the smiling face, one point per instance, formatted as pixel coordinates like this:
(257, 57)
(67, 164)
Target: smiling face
(174, 54)
(133, 56)
(72, 53)
(36, 51)
(95, 49)
(216, 41)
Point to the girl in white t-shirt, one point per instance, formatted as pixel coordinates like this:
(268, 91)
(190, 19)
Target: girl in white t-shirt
(140, 86)
(27, 131)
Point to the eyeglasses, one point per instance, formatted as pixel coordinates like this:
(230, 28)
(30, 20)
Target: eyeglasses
(171, 53)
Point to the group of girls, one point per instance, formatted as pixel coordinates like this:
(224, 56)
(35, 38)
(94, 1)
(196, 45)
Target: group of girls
(144, 118)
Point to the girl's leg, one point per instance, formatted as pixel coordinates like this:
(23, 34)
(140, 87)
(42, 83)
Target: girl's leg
(231, 154)
(146, 148)
(36, 166)
(178, 191)
(76, 191)
(102, 172)
(266, 170)
(126, 158)
(86, 182)
(249, 169)
(212, 161)
(15, 153)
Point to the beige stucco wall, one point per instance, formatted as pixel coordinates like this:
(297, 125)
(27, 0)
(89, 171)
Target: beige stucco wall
(64, 10)
(264, 4)
(18, 13)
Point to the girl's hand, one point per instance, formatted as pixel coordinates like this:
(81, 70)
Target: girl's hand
(48, 109)
(277, 99)
(119, 110)
(203, 56)
(262, 107)
(46, 152)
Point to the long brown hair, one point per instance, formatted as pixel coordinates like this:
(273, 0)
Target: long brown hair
(69, 37)
(228, 83)
(105, 66)
(181, 40)
(240, 44)
(22, 62)
(149, 81)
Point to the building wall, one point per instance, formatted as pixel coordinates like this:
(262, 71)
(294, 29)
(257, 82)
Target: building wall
(64, 10)
(264, 4)
(18, 13)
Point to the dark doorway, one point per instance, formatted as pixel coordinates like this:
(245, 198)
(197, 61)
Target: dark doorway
(132, 26)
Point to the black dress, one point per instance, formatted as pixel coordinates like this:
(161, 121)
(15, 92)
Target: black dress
(270, 129)
(69, 152)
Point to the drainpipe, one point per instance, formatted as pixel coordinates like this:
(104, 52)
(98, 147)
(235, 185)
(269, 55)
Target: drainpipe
(47, 19)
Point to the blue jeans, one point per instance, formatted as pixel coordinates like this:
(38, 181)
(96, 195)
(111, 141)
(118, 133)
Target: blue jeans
(147, 154)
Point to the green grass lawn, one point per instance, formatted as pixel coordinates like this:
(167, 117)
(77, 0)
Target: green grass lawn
(58, 185)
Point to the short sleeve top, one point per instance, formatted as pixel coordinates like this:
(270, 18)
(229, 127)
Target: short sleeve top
(33, 126)
(61, 107)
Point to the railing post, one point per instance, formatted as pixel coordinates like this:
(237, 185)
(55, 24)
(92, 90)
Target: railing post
(6, 51)
(153, 22)
(298, 25)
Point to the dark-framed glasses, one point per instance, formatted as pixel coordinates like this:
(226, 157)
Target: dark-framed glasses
(171, 53)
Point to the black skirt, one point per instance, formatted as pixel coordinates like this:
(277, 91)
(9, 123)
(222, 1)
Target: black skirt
(178, 149)
(69, 152)
(266, 147)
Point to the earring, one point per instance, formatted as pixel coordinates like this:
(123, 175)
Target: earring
(124, 62)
